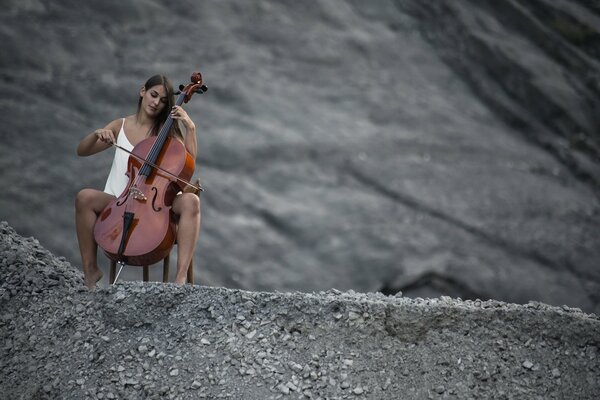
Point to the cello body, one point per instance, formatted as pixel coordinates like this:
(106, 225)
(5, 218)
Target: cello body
(151, 233)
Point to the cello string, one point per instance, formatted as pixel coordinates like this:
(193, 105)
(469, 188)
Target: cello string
(164, 131)
(138, 176)
(199, 188)
(155, 151)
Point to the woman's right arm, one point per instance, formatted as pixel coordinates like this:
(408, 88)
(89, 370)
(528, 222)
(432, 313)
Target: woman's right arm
(100, 139)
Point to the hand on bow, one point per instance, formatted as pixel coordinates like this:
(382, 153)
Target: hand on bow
(105, 135)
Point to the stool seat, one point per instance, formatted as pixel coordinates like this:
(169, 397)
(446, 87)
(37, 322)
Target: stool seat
(146, 271)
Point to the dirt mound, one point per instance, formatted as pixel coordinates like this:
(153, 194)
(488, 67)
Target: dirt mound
(135, 340)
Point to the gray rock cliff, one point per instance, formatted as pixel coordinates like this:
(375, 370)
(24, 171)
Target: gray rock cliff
(432, 147)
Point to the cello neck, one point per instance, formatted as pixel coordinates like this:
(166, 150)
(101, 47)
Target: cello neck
(160, 140)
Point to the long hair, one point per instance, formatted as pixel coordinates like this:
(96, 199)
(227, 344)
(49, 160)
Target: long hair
(164, 114)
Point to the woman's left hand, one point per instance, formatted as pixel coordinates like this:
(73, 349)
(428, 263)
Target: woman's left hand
(178, 113)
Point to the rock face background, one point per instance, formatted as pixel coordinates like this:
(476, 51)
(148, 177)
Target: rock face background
(427, 147)
(157, 341)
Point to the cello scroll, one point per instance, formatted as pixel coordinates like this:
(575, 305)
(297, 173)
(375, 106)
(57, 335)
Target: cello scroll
(197, 86)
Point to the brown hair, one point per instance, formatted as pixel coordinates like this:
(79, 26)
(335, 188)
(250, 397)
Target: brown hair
(164, 114)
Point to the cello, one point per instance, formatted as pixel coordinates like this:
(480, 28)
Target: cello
(139, 227)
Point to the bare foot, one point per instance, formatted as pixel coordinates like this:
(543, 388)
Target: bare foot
(92, 278)
(181, 280)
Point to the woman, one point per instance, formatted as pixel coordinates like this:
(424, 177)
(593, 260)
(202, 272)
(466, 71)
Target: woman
(156, 101)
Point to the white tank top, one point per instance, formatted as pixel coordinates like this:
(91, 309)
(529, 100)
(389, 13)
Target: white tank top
(117, 180)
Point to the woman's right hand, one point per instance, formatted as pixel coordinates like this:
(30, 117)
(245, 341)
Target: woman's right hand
(100, 139)
(105, 135)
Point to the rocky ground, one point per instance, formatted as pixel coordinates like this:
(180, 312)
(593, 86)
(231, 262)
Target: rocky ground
(134, 340)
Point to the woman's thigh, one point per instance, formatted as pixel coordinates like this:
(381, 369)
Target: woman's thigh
(93, 199)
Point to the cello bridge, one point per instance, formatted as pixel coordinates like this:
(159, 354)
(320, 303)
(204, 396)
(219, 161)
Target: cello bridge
(137, 193)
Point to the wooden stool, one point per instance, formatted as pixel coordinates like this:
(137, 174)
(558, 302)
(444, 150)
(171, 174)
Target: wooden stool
(146, 272)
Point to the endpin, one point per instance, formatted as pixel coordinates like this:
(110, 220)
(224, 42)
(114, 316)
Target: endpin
(122, 264)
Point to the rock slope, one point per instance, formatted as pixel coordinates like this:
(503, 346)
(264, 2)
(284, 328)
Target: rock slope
(133, 340)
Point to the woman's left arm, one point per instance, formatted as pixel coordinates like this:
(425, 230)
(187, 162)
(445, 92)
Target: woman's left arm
(189, 140)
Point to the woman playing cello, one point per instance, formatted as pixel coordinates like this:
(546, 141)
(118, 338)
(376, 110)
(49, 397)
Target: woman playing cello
(156, 103)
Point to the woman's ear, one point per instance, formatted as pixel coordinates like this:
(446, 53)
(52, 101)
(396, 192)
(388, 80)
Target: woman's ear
(142, 91)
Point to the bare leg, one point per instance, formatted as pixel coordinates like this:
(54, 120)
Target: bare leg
(187, 207)
(88, 205)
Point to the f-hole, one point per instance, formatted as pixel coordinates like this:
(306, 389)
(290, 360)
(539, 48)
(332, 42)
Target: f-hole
(121, 202)
(154, 200)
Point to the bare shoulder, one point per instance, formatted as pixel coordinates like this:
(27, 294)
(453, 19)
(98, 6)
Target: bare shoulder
(129, 118)
(115, 125)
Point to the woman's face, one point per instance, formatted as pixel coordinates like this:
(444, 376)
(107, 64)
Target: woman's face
(154, 100)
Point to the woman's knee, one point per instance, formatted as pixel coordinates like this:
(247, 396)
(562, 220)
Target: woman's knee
(91, 199)
(189, 203)
(85, 199)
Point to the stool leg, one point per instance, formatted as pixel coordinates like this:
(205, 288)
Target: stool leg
(112, 272)
(166, 263)
(146, 273)
(190, 272)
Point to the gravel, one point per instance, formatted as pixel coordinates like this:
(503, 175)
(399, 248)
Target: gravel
(155, 341)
